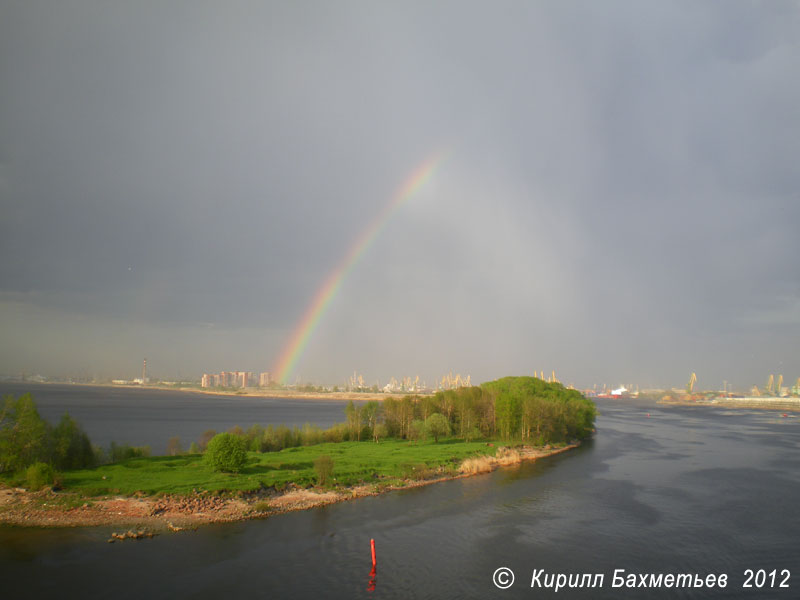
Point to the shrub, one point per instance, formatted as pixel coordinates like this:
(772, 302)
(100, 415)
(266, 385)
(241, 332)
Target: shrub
(255, 438)
(122, 452)
(415, 471)
(227, 452)
(335, 434)
(311, 435)
(39, 475)
(324, 468)
(417, 430)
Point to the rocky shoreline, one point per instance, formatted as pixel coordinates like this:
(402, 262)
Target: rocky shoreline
(151, 515)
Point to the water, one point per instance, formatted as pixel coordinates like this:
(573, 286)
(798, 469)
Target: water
(697, 490)
(147, 417)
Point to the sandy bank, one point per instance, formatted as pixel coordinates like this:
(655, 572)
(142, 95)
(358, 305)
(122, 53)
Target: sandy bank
(173, 513)
(252, 392)
(782, 404)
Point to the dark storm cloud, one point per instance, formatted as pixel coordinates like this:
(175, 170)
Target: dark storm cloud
(620, 199)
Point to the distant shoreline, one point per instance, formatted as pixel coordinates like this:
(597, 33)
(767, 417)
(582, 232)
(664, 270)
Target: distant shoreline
(246, 392)
(753, 402)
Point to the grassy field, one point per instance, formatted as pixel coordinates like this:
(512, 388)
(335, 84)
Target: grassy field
(353, 463)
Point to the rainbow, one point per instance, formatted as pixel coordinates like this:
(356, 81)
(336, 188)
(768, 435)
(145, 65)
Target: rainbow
(305, 328)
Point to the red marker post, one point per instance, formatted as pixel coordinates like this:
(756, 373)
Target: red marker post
(371, 584)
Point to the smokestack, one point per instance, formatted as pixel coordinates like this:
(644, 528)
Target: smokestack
(144, 372)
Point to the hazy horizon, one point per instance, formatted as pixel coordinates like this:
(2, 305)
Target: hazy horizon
(620, 201)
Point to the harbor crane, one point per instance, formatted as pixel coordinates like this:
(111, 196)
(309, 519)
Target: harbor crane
(690, 385)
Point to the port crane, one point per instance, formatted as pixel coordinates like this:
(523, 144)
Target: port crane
(690, 385)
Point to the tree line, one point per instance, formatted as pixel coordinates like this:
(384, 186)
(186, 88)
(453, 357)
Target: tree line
(26, 438)
(524, 409)
(513, 409)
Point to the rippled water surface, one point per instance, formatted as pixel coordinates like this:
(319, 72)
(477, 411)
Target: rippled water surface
(658, 490)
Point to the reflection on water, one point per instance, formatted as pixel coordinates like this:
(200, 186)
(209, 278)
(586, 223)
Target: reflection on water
(372, 575)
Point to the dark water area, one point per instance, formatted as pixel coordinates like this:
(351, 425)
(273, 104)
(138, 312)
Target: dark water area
(148, 417)
(658, 490)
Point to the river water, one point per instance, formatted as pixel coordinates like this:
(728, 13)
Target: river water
(148, 417)
(658, 490)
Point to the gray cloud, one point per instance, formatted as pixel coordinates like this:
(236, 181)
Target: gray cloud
(620, 201)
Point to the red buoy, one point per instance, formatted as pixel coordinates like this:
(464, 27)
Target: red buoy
(372, 544)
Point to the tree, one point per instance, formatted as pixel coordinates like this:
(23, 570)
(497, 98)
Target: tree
(24, 436)
(437, 426)
(174, 446)
(206, 437)
(353, 414)
(71, 446)
(380, 431)
(370, 413)
(226, 452)
(323, 465)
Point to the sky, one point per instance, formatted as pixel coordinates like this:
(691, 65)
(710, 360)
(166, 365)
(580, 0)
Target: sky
(619, 199)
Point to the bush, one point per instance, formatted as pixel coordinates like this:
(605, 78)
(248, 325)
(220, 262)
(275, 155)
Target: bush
(415, 471)
(120, 452)
(417, 430)
(311, 435)
(227, 452)
(335, 434)
(39, 475)
(324, 468)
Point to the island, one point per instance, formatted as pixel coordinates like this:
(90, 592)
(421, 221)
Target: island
(51, 476)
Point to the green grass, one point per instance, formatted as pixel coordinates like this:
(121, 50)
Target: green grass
(353, 463)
